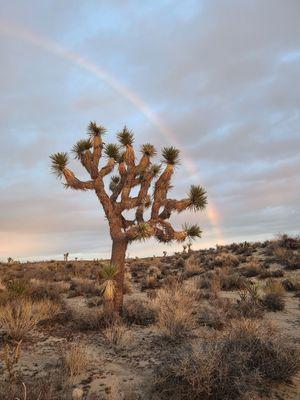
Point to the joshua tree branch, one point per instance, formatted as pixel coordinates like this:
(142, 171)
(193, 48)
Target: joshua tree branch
(75, 183)
(108, 168)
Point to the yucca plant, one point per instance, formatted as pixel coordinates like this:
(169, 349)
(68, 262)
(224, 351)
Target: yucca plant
(127, 173)
(107, 277)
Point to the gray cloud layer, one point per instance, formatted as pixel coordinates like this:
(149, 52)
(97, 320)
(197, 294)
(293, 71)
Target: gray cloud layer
(223, 75)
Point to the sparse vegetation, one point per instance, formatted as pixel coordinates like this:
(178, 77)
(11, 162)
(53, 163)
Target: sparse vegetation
(182, 311)
(243, 358)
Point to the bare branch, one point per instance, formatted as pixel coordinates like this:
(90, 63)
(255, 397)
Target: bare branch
(75, 183)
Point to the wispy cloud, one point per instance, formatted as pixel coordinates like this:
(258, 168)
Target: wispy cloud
(221, 75)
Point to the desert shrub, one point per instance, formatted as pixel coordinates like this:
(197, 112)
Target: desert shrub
(291, 285)
(192, 266)
(211, 315)
(18, 287)
(74, 360)
(232, 281)
(278, 273)
(273, 298)
(288, 242)
(205, 281)
(290, 259)
(248, 305)
(242, 359)
(137, 311)
(83, 286)
(96, 318)
(117, 335)
(150, 282)
(251, 269)
(40, 290)
(18, 318)
(226, 260)
(96, 301)
(175, 311)
(180, 263)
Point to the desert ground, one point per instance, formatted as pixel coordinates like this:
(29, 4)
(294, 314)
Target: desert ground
(221, 323)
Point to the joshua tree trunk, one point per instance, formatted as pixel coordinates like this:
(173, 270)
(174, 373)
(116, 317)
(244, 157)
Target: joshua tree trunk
(118, 253)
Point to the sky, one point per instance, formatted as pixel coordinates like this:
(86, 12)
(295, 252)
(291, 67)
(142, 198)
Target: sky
(217, 78)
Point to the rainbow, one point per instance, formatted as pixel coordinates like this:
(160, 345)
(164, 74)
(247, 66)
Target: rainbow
(96, 70)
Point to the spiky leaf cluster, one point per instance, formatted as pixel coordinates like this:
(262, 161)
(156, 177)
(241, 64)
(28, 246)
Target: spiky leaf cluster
(59, 161)
(112, 150)
(155, 169)
(143, 231)
(126, 137)
(80, 147)
(95, 130)
(197, 197)
(192, 231)
(171, 155)
(148, 149)
(107, 278)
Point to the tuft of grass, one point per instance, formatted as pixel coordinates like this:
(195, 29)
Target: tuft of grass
(75, 360)
(18, 318)
(175, 311)
(251, 269)
(140, 312)
(93, 319)
(273, 298)
(117, 335)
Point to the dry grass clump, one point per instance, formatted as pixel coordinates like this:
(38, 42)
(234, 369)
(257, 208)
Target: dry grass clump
(278, 273)
(117, 335)
(93, 319)
(212, 315)
(150, 282)
(251, 269)
(249, 304)
(273, 298)
(74, 360)
(291, 285)
(231, 281)
(242, 359)
(175, 311)
(226, 260)
(40, 290)
(19, 317)
(290, 259)
(138, 311)
(192, 266)
(84, 287)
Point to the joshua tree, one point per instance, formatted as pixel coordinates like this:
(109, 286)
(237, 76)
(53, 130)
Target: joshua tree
(189, 246)
(165, 254)
(9, 260)
(66, 255)
(184, 248)
(131, 174)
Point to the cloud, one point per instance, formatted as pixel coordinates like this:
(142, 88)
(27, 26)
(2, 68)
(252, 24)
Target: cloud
(222, 75)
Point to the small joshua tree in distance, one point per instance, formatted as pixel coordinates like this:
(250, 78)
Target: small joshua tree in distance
(131, 173)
